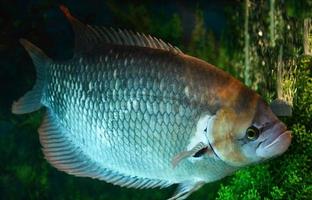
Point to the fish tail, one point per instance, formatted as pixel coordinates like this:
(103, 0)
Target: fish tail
(31, 101)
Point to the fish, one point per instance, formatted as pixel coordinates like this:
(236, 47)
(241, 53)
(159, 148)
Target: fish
(135, 111)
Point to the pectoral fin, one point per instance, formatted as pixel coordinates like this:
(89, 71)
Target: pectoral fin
(185, 189)
(195, 151)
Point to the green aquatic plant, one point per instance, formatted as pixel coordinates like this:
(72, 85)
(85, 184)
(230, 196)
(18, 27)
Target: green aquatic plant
(303, 100)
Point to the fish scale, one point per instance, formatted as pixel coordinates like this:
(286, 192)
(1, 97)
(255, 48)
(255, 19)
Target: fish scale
(117, 129)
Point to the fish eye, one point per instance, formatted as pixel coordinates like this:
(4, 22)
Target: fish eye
(252, 133)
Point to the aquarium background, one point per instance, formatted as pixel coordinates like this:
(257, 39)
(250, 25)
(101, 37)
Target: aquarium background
(267, 44)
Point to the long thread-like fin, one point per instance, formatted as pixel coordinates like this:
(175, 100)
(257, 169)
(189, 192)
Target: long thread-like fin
(31, 101)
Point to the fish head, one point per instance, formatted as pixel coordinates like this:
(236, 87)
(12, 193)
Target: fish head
(243, 138)
(273, 138)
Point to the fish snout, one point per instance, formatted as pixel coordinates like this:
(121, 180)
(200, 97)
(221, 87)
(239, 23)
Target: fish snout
(277, 141)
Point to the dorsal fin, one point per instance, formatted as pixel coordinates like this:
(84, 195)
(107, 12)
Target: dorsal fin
(88, 37)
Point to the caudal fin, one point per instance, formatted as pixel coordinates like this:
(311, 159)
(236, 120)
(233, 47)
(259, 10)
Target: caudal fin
(31, 101)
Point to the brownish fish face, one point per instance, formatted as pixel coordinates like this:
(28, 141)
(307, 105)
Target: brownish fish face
(274, 138)
(246, 138)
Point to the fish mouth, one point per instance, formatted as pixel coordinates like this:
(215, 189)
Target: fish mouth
(277, 143)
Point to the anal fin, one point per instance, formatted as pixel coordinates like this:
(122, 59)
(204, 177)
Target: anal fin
(60, 151)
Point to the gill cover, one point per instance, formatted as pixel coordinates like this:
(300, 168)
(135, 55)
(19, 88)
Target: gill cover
(228, 127)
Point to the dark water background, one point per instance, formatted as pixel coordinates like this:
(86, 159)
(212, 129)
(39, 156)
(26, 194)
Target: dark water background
(24, 174)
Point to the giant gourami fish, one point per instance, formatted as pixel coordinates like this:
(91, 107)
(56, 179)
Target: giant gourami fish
(135, 111)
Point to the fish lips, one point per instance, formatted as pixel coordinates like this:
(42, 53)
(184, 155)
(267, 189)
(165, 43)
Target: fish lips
(276, 144)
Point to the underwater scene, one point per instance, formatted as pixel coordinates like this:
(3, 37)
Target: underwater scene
(129, 99)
